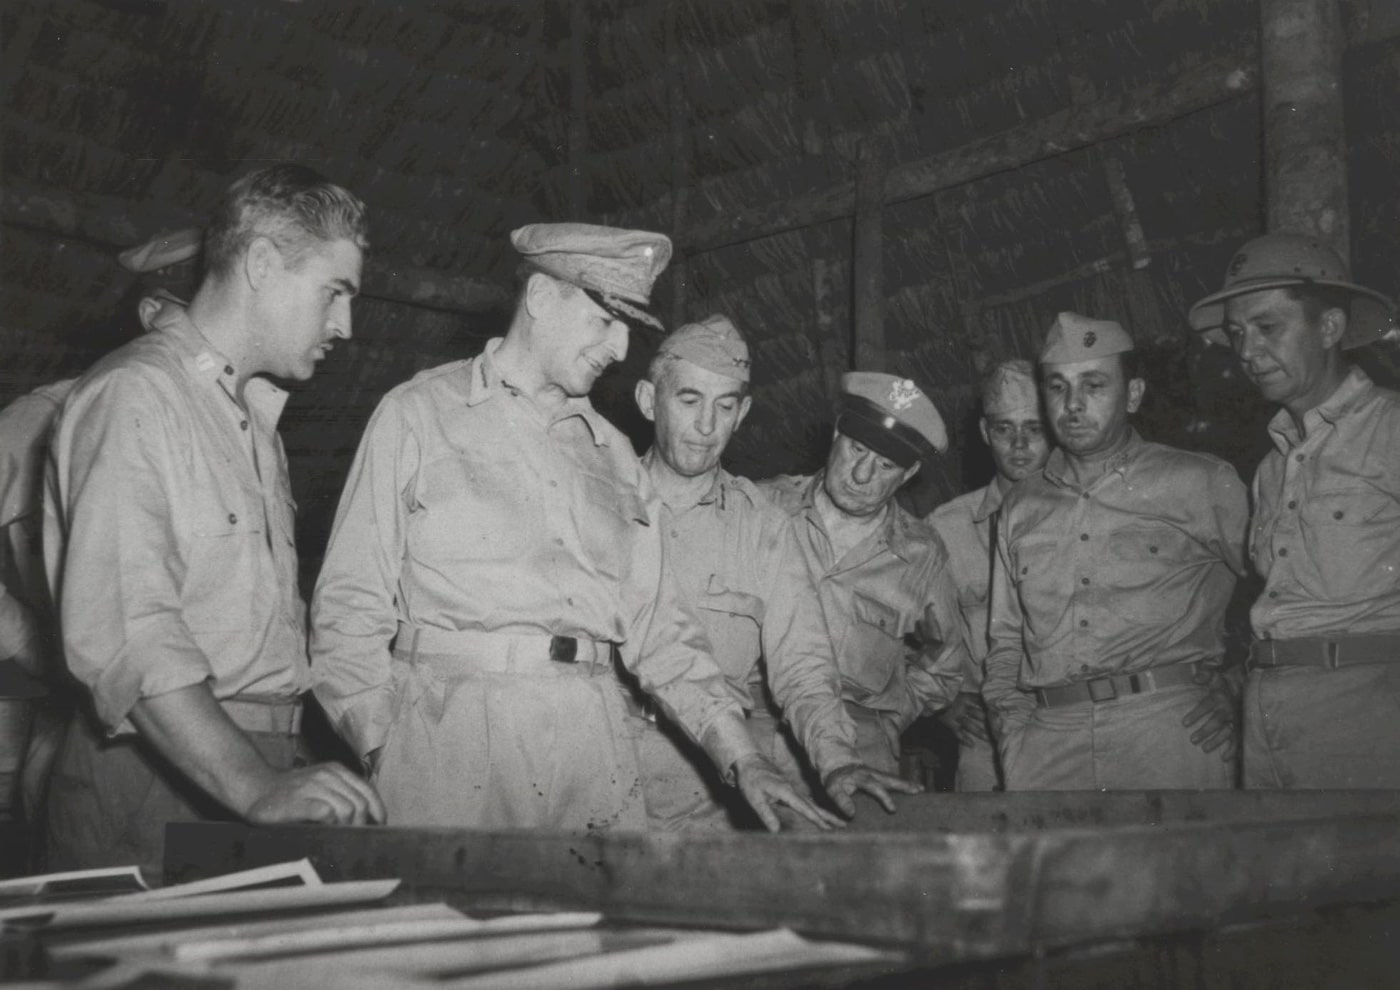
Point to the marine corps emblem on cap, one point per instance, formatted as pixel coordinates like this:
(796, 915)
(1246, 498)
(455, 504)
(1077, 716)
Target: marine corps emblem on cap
(1277, 261)
(616, 267)
(1082, 338)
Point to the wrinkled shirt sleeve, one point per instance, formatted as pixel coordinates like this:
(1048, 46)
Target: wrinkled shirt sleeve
(110, 549)
(802, 671)
(936, 672)
(354, 612)
(666, 648)
(1002, 668)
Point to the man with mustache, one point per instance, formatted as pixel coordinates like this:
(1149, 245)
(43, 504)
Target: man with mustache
(496, 541)
(738, 564)
(1114, 568)
(1323, 690)
(1013, 428)
(168, 541)
(882, 573)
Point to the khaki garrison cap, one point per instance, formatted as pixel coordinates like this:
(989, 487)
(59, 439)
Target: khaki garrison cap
(1277, 261)
(1010, 385)
(616, 267)
(714, 344)
(891, 416)
(1080, 338)
(168, 262)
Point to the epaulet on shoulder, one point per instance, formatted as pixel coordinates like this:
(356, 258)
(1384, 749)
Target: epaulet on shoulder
(920, 527)
(1191, 458)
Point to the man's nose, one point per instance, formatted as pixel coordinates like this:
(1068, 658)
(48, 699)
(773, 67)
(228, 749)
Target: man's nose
(863, 469)
(340, 320)
(705, 420)
(618, 332)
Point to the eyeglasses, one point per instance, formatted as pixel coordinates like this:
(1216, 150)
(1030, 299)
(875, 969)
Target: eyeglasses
(1007, 431)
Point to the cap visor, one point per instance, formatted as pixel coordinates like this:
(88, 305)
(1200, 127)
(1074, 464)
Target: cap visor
(627, 311)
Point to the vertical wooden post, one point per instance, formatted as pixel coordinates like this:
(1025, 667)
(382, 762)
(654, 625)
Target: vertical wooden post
(1305, 174)
(867, 262)
(680, 159)
(578, 110)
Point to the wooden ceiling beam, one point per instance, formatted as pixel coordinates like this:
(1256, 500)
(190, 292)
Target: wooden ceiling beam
(1217, 81)
(118, 224)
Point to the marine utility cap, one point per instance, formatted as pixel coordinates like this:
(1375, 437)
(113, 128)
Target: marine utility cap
(1278, 261)
(1009, 385)
(616, 267)
(713, 343)
(891, 416)
(1081, 338)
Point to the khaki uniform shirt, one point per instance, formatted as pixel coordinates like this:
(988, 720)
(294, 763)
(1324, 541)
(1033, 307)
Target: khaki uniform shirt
(965, 524)
(1326, 533)
(737, 561)
(1133, 572)
(25, 427)
(168, 529)
(885, 595)
(468, 508)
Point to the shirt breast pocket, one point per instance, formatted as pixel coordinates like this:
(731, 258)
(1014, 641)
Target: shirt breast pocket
(1141, 563)
(1349, 537)
(224, 571)
(733, 621)
(875, 647)
(472, 509)
(611, 517)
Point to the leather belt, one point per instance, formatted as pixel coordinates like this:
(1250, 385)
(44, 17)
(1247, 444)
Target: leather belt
(506, 652)
(1100, 689)
(1318, 651)
(276, 717)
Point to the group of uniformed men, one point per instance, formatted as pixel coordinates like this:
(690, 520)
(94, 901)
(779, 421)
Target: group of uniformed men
(519, 623)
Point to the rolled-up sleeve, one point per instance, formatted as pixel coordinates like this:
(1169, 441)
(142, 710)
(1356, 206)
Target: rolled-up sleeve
(354, 612)
(111, 552)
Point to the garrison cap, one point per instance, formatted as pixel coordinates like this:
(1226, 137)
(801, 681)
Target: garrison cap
(166, 261)
(714, 344)
(891, 416)
(1008, 385)
(1080, 338)
(616, 267)
(1278, 261)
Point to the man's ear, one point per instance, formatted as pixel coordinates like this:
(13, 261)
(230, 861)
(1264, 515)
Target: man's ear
(744, 406)
(1137, 388)
(645, 394)
(260, 260)
(910, 471)
(1332, 324)
(982, 428)
(539, 291)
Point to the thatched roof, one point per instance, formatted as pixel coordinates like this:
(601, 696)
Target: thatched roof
(1101, 155)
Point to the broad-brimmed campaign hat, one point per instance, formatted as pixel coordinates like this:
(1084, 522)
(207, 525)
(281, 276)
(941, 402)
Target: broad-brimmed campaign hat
(1278, 261)
(616, 267)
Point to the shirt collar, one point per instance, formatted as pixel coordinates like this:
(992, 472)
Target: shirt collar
(1057, 467)
(895, 534)
(990, 502)
(723, 487)
(486, 382)
(1344, 398)
(209, 365)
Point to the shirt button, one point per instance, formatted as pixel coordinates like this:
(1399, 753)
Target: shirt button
(1084, 668)
(559, 541)
(232, 518)
(1273, 594)
(554, 484)
(1084, 581)
(243, 425)
(1293, 503)
(228, 369)
(1299, 457)
(1338, 514)
(1283, 552)
(1084, 536)
(1083, 623)
(1151, 549)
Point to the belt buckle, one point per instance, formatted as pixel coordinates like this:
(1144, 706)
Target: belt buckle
(1331, 654)
(1101, 689)
(563, 649)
